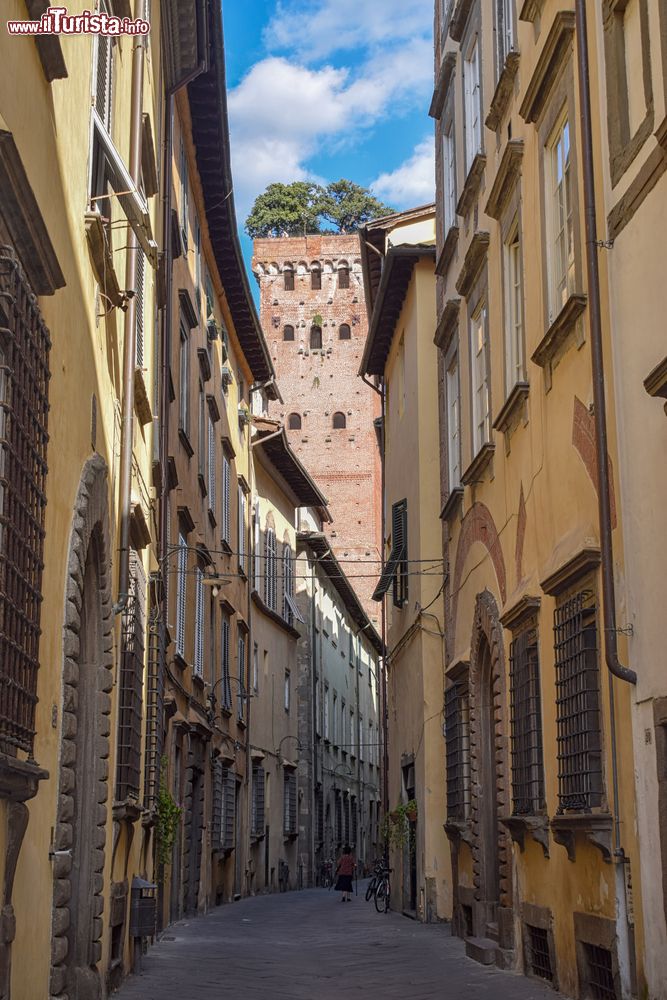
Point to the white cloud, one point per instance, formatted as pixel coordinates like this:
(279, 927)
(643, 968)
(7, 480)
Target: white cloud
(411, 184)
(314, 29)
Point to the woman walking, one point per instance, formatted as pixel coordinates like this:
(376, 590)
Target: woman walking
(345, 871)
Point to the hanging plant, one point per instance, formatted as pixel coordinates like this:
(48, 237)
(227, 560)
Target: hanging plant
(397, 824)
(168, 816)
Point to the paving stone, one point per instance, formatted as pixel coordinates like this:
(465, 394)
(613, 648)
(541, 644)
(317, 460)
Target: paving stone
(310, 946)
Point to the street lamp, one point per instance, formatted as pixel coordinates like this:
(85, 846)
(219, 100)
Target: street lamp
(212, 700)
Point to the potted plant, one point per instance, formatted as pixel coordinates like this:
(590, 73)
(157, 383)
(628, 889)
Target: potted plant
(397, 824)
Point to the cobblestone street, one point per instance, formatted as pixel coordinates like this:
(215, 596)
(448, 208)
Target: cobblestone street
(309, 946)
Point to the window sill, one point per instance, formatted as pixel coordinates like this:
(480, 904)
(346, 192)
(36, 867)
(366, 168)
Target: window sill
(536, 827)
(128, 809)
(477, 468)
(225, 546)
(204, 363)
(201, 479)
(452, 504)
(513, 410)
(595, 827)
(180, 661)
(185, 441)
(459, 830)
(274, 616)
(141, 402)
(19, 779)
(558, 333)
(471, 186)
(441, 91)
(459, 19)
(655, 382)
(447, 252)
(448, 325)
(102, 258)
(211, 518)
(503, 91)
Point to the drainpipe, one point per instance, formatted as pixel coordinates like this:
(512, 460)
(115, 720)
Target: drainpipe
(616, 669)
(385, 707)
(130, 333)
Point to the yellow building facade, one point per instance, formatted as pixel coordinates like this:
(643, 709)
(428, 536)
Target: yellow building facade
(541, 797)
(400, 353)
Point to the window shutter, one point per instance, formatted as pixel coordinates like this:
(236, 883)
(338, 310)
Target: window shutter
(104, 76)
(181, 590)
(258, 784)
(199, 622)
(226, 686)
(184, 197)
(216, 834)
(139, 308)
(399, 540)
(225, 498)
(242, 519)
(229, 809)
(241, 676)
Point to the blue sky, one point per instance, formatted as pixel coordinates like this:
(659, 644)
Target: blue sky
(326, 89)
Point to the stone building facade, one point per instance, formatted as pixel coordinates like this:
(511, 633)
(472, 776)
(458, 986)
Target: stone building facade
(313, 313)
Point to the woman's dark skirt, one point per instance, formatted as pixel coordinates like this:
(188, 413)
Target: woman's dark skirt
(344, 883)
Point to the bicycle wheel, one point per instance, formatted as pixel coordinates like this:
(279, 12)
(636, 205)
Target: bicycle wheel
(381, 896)
(370, 890)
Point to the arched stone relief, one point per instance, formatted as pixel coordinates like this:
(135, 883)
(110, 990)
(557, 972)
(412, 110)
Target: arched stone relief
(81, 818)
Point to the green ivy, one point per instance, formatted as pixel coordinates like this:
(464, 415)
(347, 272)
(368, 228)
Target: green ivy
(168, 818)
(397, 826)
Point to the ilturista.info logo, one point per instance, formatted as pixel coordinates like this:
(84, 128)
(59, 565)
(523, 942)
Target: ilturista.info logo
(57, 21)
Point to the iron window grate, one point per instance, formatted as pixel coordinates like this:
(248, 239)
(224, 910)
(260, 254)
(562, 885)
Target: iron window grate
(457, 746)
(339, 818)
(128, 770)
(258, 799)
(540, 957)
(154, 703)
(24, 407)
(600, 972)
(289, 804)
(527, 758)
(577, 704)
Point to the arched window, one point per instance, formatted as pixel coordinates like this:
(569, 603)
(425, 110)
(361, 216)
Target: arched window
(339, 421)
(294, 422)
(344, 332)
(343, 275)
(316, 277)
(288, 274)
(316, 338)
(270, 569)
(288, 332)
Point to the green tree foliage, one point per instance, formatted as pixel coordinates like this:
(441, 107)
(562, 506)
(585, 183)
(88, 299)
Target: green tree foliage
(286, 210)
(301, 208)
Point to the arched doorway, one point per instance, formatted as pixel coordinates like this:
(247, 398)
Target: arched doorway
(80, 831)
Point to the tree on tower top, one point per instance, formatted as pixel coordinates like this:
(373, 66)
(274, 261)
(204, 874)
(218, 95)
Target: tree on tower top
(301, 208)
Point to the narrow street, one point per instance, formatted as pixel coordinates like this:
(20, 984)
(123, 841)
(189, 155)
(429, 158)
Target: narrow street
(308, 946)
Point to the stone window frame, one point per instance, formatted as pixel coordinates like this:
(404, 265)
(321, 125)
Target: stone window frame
(600, 932)
(501, 50)
(452, 356)
(624, 147)
(478, 298)
(541, 917)
(561, 104)
(473, 30)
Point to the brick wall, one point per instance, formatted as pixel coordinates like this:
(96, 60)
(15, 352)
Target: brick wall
(316, 384)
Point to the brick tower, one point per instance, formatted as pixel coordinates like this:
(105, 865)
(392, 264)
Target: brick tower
(313, 313)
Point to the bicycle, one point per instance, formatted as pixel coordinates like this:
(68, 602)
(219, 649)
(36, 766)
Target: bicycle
(383, 892)
(378, 868)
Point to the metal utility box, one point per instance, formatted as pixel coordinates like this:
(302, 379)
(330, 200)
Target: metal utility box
(143, 908)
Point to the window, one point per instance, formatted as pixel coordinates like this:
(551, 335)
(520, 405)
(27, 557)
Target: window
(198, 262)
(226, 532)
(270, 569)
(288, 275)
(184, 196)
(344, 332)
(339, 817)
(199, 623)
(316, 338)
(514, 358)
(453, 423)
(288, 332)
(316, 277)
(560, 221)
(334, 720)
(228, 822)
(287, 690)
(449, 177)
(255, 667)
(343, 276)
(212, 468)
(289, 804)
(181, 593)
(24, 381)
(226, 694)
(294, 422)
(343, 726)
(479, 370)
(577, 703)
(527, 763)
(201, 438)
(339, 421)
(396, 567)
(325, 730)
(242, 511)
(361, 737)
(457, 745)
(258, 800)
(184, 382)
(104, 74)
(505, 31)
(473, 103)
(353, 734)
(128, 768)
(288, 585)
(242, 674)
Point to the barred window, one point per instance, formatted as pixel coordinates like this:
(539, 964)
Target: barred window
(270, 569)
(224, 657)
(199, 623)
(181, 591)
(258, 798)
(130, 695)
(217, 805)
(228, 825)
(288, 275)
(24, 407)
(319, 818)
(346, 817)
(527, 761)
(353, 820)
(457, 745)
(289, 804)
(154, 702)
(339, 817)
(577, 703)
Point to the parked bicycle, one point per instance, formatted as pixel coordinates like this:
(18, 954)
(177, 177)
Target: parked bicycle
(379, 886)
(326, 874)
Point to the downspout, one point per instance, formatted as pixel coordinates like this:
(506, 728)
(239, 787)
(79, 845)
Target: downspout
(614, 665)
(313, 740)
(385, 707)
(130, 335)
